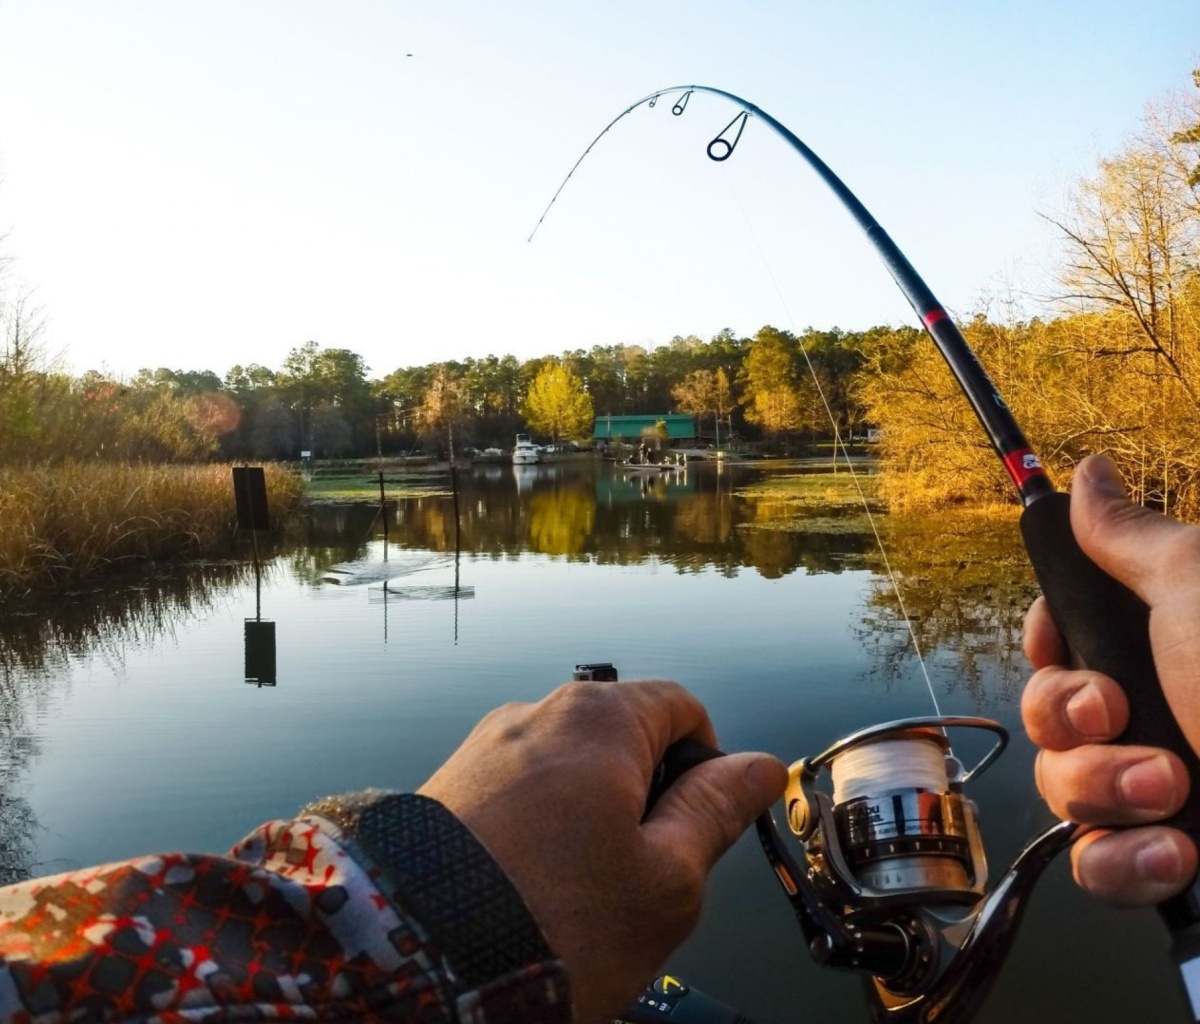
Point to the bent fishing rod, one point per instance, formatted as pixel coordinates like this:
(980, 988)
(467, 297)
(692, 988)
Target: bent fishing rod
(892, 876)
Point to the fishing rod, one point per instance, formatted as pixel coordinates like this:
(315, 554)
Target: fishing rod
(892, 877)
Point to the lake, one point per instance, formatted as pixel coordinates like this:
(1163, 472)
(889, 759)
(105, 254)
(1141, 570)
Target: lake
(127, 724)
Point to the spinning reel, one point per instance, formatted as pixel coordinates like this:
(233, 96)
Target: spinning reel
(891, 880)
(893, 875)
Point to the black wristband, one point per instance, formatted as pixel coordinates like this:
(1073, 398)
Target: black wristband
(434, 868)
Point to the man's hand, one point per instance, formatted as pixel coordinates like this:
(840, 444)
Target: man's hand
(1071, 714)
(556, 791)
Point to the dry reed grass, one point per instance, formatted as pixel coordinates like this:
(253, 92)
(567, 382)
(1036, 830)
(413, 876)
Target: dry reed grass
(62, 523)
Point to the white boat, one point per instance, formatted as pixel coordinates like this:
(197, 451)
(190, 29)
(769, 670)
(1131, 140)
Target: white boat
(526, 452)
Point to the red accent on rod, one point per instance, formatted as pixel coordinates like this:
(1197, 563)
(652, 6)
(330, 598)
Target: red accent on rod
(1022, 465)
(934, 317)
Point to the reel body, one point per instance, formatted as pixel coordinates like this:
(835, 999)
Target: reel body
(893, 876)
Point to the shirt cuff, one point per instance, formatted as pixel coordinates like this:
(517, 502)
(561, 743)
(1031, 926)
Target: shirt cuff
(431, 866)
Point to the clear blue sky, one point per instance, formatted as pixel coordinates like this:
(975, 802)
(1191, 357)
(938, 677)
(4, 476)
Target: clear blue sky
(202, 184)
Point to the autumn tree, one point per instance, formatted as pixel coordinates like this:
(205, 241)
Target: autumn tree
(1133, 258)
(705, 391)
(1118, 373)
(769, 392)
(1189, 135)
(442, 406)
(21, 375)
(558, 405)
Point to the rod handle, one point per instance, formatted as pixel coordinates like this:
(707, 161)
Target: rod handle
(1107, 628)
(681, 756)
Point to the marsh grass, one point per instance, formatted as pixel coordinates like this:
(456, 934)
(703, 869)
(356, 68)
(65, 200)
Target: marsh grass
(64, 523)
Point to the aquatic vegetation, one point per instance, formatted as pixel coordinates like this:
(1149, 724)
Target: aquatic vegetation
(61, 524)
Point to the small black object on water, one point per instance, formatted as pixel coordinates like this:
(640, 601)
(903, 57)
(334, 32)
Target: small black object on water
(598, 671)
(250, 494)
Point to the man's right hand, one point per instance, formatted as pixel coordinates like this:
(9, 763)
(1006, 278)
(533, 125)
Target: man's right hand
(1073, 714)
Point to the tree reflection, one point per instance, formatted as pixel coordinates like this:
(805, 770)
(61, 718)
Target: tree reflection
(964, 579)
(560, 522)
(694, 521)
(37, 646)
(965, 582)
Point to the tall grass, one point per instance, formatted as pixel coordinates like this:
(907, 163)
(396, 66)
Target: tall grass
(64, 523)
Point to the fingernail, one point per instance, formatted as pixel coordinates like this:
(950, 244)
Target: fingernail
(1158, 861)
(1149, 785)
(1087, 713)
(1101, 475)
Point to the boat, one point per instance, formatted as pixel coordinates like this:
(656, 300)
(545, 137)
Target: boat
(526, 452)
(679, 465)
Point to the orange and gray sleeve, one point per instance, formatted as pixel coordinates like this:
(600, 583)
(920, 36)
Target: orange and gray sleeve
(370, 907)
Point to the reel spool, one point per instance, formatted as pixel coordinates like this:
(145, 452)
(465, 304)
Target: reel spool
(897, 826)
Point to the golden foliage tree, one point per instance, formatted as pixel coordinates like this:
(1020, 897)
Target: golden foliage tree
(558, 405)
(1119, 373)
(770, 394)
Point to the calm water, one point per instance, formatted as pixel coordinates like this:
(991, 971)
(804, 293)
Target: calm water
(126, 724)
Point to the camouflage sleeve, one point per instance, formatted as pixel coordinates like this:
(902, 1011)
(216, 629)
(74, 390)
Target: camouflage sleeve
(368, 908)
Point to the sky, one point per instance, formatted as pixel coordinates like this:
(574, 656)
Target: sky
(199, 185)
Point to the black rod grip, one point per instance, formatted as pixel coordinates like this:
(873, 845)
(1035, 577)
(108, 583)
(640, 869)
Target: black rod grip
(1106, 627)
(680, 756)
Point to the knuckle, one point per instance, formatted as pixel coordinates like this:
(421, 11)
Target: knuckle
(580, 693)
(503, 714)
(594, 704)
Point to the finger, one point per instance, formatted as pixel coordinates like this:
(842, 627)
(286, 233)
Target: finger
(1064, 708)
(669, 713)
(1112, 785)
(1042, 641)
(1154, 556)
(706, 810)
(1159, 559)
(1135, 867)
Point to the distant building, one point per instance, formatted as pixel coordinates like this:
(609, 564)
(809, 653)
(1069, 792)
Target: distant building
(631, 429)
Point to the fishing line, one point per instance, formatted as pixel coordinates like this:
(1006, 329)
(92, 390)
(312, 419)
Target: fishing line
(839, 444)
(875, 768)
(872, 896)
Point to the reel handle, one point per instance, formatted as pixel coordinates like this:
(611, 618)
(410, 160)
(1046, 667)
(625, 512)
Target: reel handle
(1106, 627)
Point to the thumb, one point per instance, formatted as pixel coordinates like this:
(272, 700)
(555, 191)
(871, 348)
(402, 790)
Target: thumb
(1149, 553)
(710, 806)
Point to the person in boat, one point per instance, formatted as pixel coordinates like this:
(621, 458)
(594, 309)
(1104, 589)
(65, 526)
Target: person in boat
(524, 883)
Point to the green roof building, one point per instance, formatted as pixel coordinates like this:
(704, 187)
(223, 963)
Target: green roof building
(630, 428)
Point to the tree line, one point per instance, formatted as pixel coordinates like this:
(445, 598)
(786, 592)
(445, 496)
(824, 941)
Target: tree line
(1114, 367)
(323, 400)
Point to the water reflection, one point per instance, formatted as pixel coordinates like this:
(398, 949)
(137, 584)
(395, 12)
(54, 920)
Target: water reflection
(965, 591)
(693, 520)
(775, 611)
(38, 642)
(965, 584)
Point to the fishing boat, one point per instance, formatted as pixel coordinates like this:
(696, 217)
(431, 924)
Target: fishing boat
(679, 465)
(526, 452)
